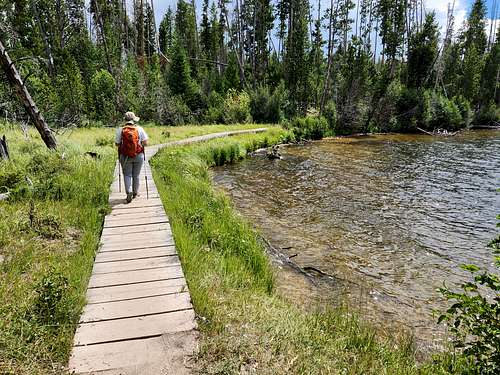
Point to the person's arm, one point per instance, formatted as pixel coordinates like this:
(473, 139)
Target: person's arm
(118, 137)
(145, 138)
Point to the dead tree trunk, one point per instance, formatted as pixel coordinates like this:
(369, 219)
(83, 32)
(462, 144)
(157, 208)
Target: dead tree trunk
(4, 150)
(17, 83)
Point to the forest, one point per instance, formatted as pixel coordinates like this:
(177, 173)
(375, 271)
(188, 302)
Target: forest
(355, 66)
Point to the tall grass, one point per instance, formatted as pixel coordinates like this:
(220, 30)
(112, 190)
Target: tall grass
(49, 233)
(246, 326)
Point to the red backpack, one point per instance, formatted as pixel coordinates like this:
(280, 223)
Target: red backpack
(130, 145)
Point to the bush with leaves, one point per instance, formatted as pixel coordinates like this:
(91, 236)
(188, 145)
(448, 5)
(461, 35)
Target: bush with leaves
(236, 108)
(488, 114)
(330, 114)
(310, 127)
(102, 96)
(440, 112)
(474, 316)
(267, 107)
(215, 108)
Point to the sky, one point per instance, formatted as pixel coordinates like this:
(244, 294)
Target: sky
(462, 7)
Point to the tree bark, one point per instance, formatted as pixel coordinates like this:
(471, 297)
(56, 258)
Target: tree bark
(15, 80)
(4, 150)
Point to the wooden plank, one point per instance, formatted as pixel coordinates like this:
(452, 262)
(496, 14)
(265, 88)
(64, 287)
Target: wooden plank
(137, 212)
(133, 328)
(144, 228)
(132, 277)
(126, 222)
(137, 264)
(119, 203)
(137, 241)
(112, 256)
(131, 291)
(135, 307)
(127, 218)
(152, 356)
(147, 243)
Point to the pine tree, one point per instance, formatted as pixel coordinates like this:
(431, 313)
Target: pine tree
(423, 49)
(296, 68)
(490, 75)
(185, 29)
(165, 32)
(475, 35)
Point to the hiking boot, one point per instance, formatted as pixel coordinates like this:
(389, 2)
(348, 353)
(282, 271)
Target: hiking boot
(129, 197)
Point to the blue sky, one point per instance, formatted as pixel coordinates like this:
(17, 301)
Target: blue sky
(462, 7)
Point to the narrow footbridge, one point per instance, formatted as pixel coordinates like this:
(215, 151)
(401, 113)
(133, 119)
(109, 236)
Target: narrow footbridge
(139, 318)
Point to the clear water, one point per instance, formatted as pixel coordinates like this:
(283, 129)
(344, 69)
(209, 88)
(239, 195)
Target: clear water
(390, 217)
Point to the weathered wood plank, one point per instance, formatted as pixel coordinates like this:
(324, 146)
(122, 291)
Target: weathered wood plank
(137, 242)
(130, 221)
(131, 291)
(131, 328)
(132, 277)
(137, 264)
(135, 307)
(145, 244)
(136, 212)
(137, 228)
(143, 253)
(152, 356)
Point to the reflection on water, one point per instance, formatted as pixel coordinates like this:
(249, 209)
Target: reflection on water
(392, 216)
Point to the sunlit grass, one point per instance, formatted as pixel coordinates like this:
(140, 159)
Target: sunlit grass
(246, 326)
(49, 233)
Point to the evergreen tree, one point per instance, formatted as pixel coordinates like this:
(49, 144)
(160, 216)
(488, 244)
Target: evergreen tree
(185, 29)
(475, 35)
(205, 31)
(296, 68)
(179, 75)
(490, 75)
(165, 32)
(423, 49)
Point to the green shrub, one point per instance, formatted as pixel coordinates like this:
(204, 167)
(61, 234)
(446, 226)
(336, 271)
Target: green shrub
(474, 316)
(176, 112)
(465, 109)
(266, 107)
(330, 114)
(49, 305)
(409, 108)
(306, 128)
(237, 108)
(440, 112)
(102, 95)
(215, 109)
(487, 114)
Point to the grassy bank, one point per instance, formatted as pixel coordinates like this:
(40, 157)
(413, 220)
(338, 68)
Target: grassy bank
(49, 232)
(245, 325)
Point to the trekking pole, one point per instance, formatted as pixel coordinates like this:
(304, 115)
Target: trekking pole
(147, 189)
(119, 178)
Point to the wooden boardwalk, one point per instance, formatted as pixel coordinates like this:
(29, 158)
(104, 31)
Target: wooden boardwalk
(139, 318)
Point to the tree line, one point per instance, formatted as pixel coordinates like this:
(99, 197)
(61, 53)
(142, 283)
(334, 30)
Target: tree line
(360, 66)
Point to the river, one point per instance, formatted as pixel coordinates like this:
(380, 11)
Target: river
(389, 217)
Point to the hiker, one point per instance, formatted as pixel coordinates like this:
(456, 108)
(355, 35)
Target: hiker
(130, 140)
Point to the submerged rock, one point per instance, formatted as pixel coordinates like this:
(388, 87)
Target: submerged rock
(274, 153)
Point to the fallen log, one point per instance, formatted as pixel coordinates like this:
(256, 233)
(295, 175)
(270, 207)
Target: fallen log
(493, 127)
(22, 92)
(440, 132)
